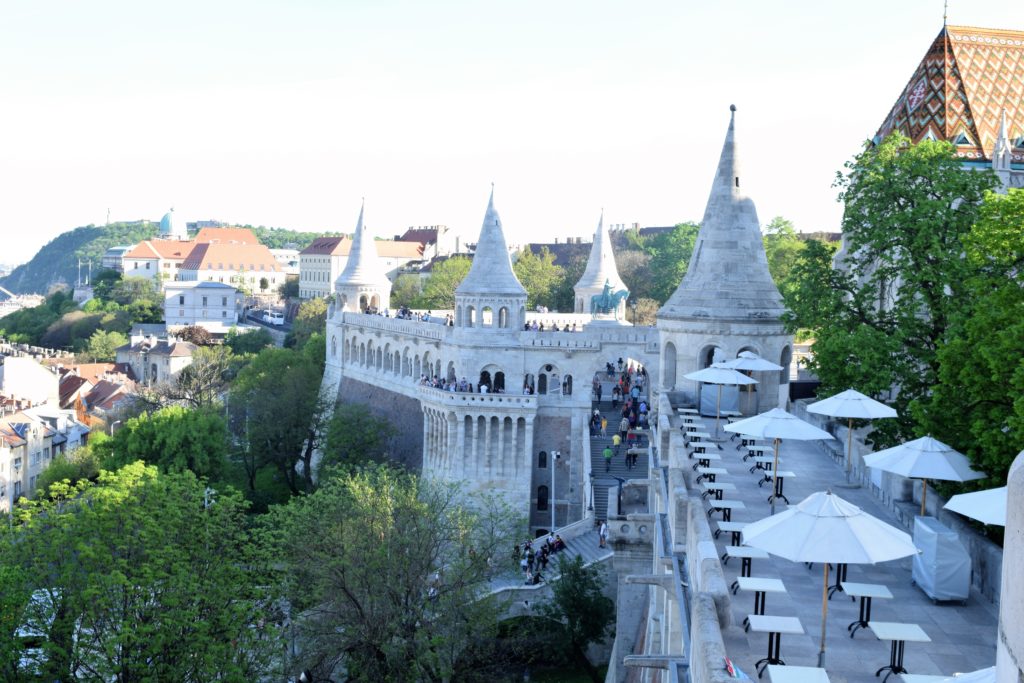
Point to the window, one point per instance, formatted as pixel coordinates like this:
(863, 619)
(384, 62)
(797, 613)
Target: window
(17, 490)
(17, 464)
(46, 453)
(204, 301)
(223, 301)
(147, 265)
(181, 300)
(223, 314)
(542, 498)
(542, 459)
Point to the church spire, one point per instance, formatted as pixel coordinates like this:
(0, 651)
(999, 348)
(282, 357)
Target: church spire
(728, 273)
(363, 266)
(600, 270)
(491, 272)
(1002, 153)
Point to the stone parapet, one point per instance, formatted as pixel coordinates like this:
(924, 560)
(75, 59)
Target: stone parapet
(477, 401)
(411, 328)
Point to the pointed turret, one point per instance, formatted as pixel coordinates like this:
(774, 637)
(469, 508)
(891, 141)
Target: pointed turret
(1002, 153)
(600, 271)
(728, 274)
(491, 295)
(363, 283)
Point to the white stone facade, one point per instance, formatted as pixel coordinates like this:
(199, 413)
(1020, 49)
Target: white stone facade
(210, 305)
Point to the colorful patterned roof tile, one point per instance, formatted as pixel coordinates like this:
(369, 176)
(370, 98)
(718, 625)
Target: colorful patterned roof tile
(959, 91)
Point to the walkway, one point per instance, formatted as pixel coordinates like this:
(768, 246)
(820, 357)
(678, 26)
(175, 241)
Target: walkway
(962, 637)
(585, 545)
(603, 480)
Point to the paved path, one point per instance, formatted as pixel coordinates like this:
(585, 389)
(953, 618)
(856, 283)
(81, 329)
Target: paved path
(603, 480)
(963, 637)
(585, 545)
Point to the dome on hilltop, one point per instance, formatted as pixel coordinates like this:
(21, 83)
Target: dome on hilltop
(172, 227)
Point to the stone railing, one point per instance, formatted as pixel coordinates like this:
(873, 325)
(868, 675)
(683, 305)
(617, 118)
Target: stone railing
(565, 340)
(465, 399)
(411, 328)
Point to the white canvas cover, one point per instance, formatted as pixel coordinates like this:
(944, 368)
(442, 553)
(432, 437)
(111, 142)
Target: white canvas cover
(943, 568)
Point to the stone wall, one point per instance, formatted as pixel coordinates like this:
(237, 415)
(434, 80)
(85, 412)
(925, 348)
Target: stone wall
(404, 414)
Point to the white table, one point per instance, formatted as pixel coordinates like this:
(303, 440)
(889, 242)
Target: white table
(796, 674)
(726, 506)
(922, 678)
(899, 634)
(779, 478)
(704, 459)
(717, 488)
(866, 592)
(688, 411)
(761, 587)
(747, 555)
(709, 473)
(756, 451)
(774, 627)
(734, 528)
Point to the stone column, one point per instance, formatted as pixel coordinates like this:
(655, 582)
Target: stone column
(500, 459)
(426, 439)
(513, 449)
(527, 459)
(475, 444)
(460, 446)
(488, 466)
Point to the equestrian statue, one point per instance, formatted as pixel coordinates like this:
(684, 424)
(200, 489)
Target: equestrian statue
(608, 301)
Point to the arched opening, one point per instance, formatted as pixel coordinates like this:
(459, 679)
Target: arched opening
(437, 367)
(396, 367)
(416, 368)
(369, 353)
(380, 359)
(406, 364)
(503, 317)
(542, 459)
(528, 384)
(334, 346)
(375, 302)
(428, 368)
(363, 303)
(451, 371)
(542, 383)
(362, 354)
(486, 317)
(470, 316)
(567, 385)
(668, 366)
(499, 382)
(785, 360)
(710, 354)
(542, 498)
(485, 381)
(388, 358)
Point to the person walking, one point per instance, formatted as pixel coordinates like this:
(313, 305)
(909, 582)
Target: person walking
(607, 453)
(604, 427)
(623, 427)
(597, 392)
(602, 534)
(616, 442)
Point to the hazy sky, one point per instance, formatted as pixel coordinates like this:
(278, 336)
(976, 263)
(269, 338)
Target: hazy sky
(286, 113)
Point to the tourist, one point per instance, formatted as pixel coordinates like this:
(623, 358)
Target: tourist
(597, 391)
(624, 427)
(616, 442)
(602, 534)
(604, 427)
(607, 453)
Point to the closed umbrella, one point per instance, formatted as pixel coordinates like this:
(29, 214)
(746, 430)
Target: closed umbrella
(715, 374)
(751, 362)
(852, 405)
(988, 507)
(777, 424)
(825, 528)
(925, 458)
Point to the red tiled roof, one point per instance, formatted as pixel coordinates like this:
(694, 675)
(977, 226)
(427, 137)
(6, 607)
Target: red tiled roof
(421, 235)
(172, 250)
(961, 87)
(226, 236)
(340, 246)
(231, 257)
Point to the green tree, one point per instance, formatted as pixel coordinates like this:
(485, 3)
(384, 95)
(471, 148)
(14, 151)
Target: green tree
(103, 345)
(355, 436)
(977, 406)
(783, 246)
(670, 257)
(174, 438)
(578, 604)
(253, 341)
(405, 290)
(310, 319)
(439, 288)
(203, 382)
(389, 571)
(564, 296)
(141, 576)
(73, 466)
(280, 416)
(880, 318)
(289, 289)
(264, 284)
(540, 276)
(632, 264)
(194, 334)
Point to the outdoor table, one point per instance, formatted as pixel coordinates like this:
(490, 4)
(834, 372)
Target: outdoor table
(716, 488)
(796, 674)
(698, 448)
(747, 556)
(747, 441)
(774, 627)
(734, 528)
(761, 587)
(710, 473)
(899, 634)
(756, 451)
(764, 463)
(698, 436)
(689, 411)
(726, 506)
(690, 426)
(780, 479)
(866, 592)
(840, 579)
(704, 459)
(922, 678)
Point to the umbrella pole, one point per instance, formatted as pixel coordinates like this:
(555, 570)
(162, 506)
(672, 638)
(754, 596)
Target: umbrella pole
(849, 447)
(718, 409)
(824, 618)
(774, 470)
(924, 495)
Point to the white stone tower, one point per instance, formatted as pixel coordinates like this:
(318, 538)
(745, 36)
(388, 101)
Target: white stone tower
(363, 284)
(727, 301)
(172, 228)
(490, 300)
(600, 271)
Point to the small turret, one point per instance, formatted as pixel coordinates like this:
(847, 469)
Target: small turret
(600, 275)
(363, 284)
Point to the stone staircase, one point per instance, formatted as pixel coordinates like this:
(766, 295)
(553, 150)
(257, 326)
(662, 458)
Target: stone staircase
(604, 480)
(584, 545)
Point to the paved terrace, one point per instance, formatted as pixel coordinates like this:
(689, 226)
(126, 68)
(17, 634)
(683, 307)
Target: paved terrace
(962, 637)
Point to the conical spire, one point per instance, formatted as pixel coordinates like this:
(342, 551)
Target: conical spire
(363, 266)
(601, 266)
(728, 273)
(1002, 153)
(491, 272)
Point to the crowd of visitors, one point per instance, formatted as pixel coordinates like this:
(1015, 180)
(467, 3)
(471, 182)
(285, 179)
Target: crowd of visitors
(461, 385)
(532, 561)
(535, 327)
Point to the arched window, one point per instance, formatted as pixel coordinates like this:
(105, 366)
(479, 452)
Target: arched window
(363, 303)
(567, 385)
(486, 317)
(499, 381)
(668, 365)
(542, 459)
(542, 498)
(362, 354)
(380, 358)
(485, 381)
(542, 383)
(334, 346)
(503, 317)
(470, 316)
(451, 371)
(416, 368)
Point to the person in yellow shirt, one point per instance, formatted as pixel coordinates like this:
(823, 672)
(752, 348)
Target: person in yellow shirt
(616, 442)
(604, 426)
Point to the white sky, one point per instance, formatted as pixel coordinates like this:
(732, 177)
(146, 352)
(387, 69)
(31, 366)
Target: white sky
(286, 113)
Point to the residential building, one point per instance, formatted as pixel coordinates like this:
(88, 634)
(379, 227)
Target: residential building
(249, 266)
(323, 261)
(25, 378)
(26, 447)
(156, 259)
(214, 306)
(113, 258)
(152, 361)
(289, 260)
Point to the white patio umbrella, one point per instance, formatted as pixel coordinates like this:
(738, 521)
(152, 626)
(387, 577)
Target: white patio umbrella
(925, 458)
(980, 676)
(777, 424)
(825, 528)
(716, 374)
(988, 507)
(852, 405)
(751, 362)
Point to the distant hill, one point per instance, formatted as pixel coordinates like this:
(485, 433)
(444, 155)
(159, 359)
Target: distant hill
(57, 262)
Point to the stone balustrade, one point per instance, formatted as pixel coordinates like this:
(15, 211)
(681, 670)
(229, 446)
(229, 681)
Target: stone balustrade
(477, 400)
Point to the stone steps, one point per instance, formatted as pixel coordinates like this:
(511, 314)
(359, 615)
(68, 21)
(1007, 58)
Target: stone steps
(603, 480)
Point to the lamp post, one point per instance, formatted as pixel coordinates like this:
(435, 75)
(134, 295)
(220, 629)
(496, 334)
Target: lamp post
(112, 425)
(555, 455)
(632, 306)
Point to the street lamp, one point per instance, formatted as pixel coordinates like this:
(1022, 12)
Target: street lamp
(632, 306)
(112, 425)
(555, 455)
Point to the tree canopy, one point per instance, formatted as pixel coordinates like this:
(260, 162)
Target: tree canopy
(540, 276)
(439, 289)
